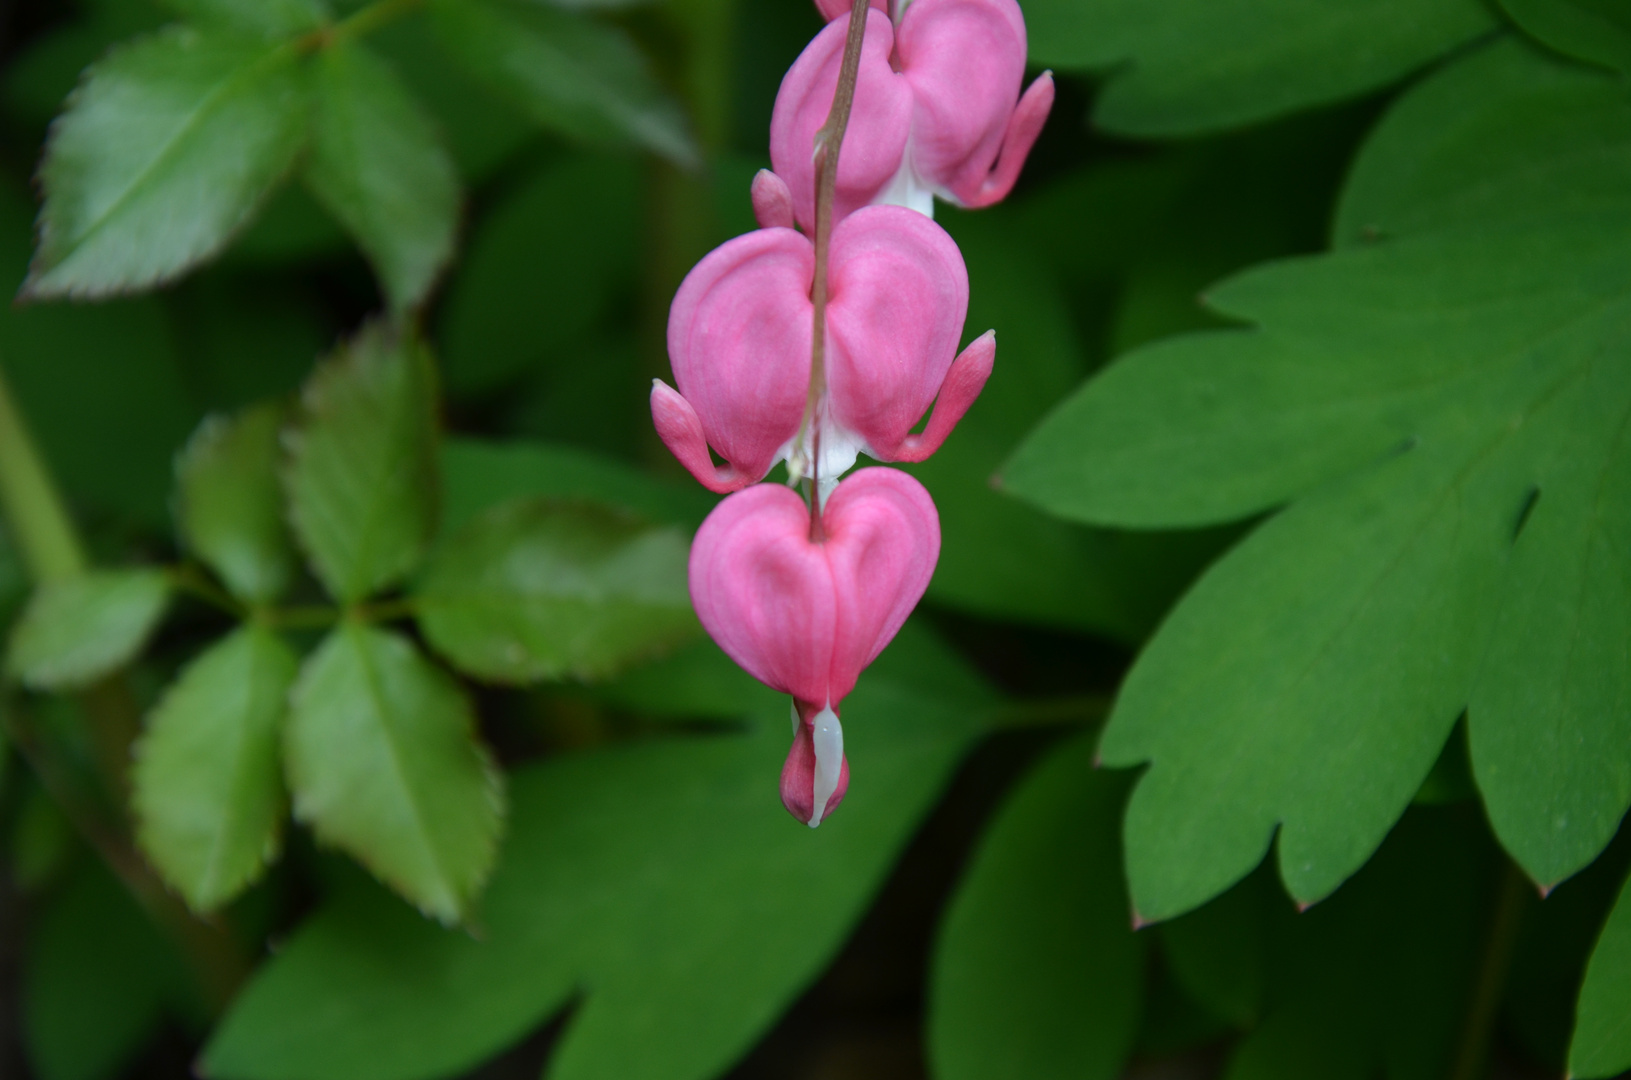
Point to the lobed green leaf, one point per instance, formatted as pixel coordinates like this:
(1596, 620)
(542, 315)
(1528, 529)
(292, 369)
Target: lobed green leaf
(76, 630)
(208, 791)
(167, 149)
(383, 762)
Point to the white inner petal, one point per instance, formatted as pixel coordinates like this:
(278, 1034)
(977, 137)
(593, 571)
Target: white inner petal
(829, 754)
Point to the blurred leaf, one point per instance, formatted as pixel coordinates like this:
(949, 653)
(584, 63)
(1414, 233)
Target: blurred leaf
(1188, 66)
(1413, 396)
(660, 882)
(378, 164)
(480, 475)
(1596, 31)
(584, 79)
(208, 795)
(97, 980)
(361, 478)
(76, 630)
(167, 149)
(544, 590)
(544, 265)
(383, 761)
(229, 507)
(1037, 973)
(1601, 1046)
(269, 18)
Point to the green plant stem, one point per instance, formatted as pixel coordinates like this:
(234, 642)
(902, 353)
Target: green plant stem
(39, 522)
(1472, 1054)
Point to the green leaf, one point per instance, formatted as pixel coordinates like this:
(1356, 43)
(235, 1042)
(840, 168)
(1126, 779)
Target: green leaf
(543, 590)
(383, 761)
(76, 630)
(268, 18)
(208, 793)
(167, 149)
(660, 884)
(1596, 31)
(1440, 408)
(1601, 1046)
(98, 980)
(1037, 973)
(584, 79)
(229, 507)
(378, 164)
(361, 478)
(1189, 66)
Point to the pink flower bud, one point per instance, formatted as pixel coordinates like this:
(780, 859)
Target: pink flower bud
(806, 616)
(937, 108)
(739, 340)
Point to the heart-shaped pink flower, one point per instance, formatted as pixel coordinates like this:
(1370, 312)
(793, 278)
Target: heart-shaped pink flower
(807, 616)
(739, 342)
(937, 108)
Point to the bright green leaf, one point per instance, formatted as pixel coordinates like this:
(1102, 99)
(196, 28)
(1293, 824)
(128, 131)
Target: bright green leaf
(543, 590)
(1597, 31)
(1037, 974)
(208, 793)
(378, 164)
(269, 18)
(581, 78)
(383, 761)
(167, 149)
(660, 883)
(1601, 1046)
(361, 478)
(76, 630)
(1413, 396)
(229, 507)
(1189, 66)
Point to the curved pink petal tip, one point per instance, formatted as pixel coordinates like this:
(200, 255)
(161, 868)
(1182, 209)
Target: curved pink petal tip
(963, 384)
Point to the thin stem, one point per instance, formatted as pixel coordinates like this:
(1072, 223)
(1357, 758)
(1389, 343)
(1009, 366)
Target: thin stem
(1473, 1053)
(39, 521)
(828, 142)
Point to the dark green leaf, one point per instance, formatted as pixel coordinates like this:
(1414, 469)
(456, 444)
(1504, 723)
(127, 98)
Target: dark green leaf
(167, 149)
(661, 883)
(1199, 65)
(1037, 973)
(1601, 1046)
(383, 761)
(378, 164)
(76, 630)
(229, 508)
(269, 18)
(543, 590)
(1443, 406)
(361, 478)
(208, 793)
(581, 78)
(1597, 31)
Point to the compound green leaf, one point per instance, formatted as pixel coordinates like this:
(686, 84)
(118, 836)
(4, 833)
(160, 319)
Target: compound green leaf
(76, 630)
(1601, 1046)
(378, 165)
(544, 590)
(268, 18)
(1037, 973)
(208, 792)
(383, 761)
(1187, 66)
(661, 883)
(361, 478)
(584, 79)
(167, 149)
(1439, 409)
(1597, 31)
(229, 507)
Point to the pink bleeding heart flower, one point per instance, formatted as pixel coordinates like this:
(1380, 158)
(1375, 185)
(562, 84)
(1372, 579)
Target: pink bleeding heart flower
(806, 616)
(937, 109)
(739, 341)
